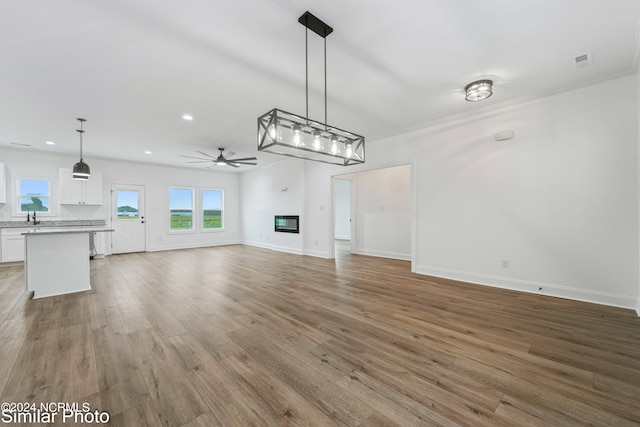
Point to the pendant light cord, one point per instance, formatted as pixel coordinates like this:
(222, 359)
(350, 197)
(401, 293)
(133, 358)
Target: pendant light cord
(325, 82)
(81, 131)
(306, 69)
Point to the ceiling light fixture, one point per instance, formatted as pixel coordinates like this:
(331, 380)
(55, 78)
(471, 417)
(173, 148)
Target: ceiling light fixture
(288, 134)
(50, 143)
(147, 152)
(187, 117)
(478, 90)
(81, 169)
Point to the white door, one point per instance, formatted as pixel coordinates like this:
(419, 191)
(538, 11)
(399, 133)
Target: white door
(127, 219)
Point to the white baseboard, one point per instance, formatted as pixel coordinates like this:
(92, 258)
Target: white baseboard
(318, 254)
(190, 246)
(638, 307)
(257, 244)
(275, 247)
(383, 254)
(548, 289)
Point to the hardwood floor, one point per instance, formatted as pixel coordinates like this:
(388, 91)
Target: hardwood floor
(241, 336)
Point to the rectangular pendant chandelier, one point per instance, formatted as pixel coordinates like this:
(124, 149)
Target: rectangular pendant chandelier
(288, 134)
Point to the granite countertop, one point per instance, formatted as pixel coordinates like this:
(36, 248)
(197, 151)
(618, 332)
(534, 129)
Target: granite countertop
(58, 223)
(66, 231)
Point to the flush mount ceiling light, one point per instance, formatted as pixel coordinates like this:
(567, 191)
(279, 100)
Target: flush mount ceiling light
(291, 135)
(81, 169)
(478, 90)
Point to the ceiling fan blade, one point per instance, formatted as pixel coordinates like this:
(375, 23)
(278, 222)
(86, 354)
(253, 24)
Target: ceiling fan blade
(243, 163)
(229, 154)
(191, 157)
(205, 154)
(246, 158)
(233, 165)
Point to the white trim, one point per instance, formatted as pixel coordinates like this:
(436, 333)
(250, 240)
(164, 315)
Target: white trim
(343, 237)
(192, 246)
(256, 244)
(548, 289)
(287, 250)
(384, 254)
(638, 307)
(284, 249)
(318, 254)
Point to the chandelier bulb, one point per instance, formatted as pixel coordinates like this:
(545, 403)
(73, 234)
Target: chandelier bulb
(317, 144)
(349, 151)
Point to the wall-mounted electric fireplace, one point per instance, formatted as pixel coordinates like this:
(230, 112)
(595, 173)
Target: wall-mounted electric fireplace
(287, 223)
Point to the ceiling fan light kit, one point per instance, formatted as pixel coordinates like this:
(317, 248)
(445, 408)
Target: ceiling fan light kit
(288, 134)
(478, 90)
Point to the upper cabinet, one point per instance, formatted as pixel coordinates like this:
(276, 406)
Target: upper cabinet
(3, 184)
(80, 192)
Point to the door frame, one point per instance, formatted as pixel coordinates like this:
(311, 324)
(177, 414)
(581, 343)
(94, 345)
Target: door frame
(112, 206)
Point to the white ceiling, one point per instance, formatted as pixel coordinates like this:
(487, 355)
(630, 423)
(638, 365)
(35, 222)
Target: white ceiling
(133, 68)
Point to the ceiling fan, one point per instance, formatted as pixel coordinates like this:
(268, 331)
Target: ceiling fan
(221, 160)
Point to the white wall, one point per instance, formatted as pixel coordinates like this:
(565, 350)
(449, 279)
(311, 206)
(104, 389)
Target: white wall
(277, 189)
(383, 214)
(559, 201)
(638, 118)
(342, 208)
(156, 180)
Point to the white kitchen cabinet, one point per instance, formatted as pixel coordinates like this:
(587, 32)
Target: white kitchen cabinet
(80, 192)
(3, 183)
(13, 244)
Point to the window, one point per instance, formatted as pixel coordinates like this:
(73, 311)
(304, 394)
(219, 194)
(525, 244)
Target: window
(181, 208)
(212, 207)
(127, 204)
(33, 195)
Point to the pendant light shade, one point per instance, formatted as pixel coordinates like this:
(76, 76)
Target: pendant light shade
(81, 170)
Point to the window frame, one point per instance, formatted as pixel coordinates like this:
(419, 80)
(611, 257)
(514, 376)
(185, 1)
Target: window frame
(222, 213)
(17, 196)
(193, 228)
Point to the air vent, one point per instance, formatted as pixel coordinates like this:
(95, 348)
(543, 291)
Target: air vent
(20, 145)
(583, 60)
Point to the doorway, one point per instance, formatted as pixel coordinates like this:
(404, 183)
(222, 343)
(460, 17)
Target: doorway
(382, 213)
(343, 225)
(128, 219)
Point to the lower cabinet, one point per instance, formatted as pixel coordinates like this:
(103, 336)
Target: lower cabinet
(13, 244)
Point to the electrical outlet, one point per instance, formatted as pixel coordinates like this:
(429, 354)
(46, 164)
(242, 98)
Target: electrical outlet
(505, 263)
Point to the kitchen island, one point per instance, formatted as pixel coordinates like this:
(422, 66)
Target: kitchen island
(57, 260)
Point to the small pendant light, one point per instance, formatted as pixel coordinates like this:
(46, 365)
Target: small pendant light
(81, 169)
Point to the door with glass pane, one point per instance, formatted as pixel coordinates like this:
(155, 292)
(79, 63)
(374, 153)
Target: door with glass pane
(127, 219)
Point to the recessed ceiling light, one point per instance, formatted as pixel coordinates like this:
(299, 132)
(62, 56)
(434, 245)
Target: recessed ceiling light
(147, 152)
(187, 117)
(50, 143)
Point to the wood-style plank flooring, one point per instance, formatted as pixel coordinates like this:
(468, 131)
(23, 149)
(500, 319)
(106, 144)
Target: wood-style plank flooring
(242, 336)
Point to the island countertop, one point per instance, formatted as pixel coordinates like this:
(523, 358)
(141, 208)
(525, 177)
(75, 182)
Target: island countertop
(74, 230)
(55, 223)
